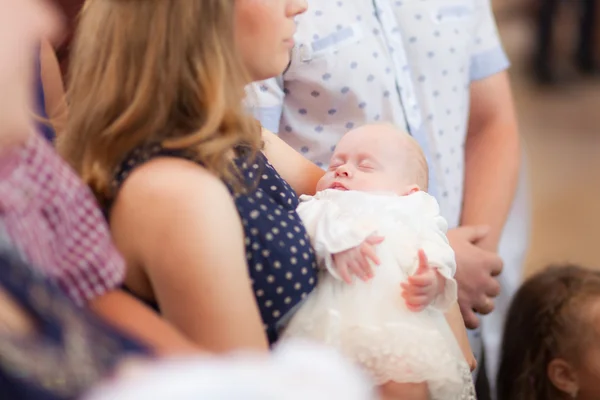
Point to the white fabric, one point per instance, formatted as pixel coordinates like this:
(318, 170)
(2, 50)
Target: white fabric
(369, 321)
(296, 371)
(340, 220)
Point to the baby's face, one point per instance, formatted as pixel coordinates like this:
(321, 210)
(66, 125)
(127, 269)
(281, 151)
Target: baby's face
(369, 159)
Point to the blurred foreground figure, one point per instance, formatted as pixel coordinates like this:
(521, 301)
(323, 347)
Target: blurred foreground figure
(50, 349)
(295, 371)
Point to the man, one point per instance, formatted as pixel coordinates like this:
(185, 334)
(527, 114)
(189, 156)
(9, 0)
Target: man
(436, 68)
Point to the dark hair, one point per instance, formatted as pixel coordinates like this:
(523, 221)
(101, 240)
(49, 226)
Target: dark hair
(546, 320)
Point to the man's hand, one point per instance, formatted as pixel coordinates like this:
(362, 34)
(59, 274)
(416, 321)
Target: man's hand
(421, 289)
(475, 273)
(355, 261)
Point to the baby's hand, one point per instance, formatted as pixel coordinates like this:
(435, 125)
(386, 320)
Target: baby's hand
(356, 260)
(423, 287)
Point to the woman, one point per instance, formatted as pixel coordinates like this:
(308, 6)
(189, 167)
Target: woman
(207, 226)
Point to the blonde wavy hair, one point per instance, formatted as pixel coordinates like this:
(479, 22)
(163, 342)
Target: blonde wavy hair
(154, 71)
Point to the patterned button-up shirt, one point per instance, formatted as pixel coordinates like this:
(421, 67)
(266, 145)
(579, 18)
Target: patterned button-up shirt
(409, 62)
(53, 219)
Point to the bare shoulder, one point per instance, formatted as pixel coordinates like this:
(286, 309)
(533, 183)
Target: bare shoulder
(168, 197)
(171, 179)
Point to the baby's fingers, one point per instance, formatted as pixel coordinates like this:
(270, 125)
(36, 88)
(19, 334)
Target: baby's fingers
(365, 267)
(344, 273)
(358, 270)
(421, 280)
(373, 240)
(415, 303)
(409, 289)
(368, 252)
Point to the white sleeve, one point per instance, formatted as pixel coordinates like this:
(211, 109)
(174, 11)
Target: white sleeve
(441, 256)
(331, 231)
(264, 100)
(487, 55)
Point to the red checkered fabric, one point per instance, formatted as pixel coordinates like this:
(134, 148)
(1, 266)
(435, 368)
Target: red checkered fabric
(53, 218)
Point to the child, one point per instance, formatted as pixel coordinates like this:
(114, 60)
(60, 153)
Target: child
(551, 345)
(391, 322)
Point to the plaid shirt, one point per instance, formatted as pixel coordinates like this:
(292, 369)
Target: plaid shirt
(53, 219)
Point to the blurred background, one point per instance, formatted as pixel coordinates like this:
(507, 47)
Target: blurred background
(557, 94)
(559, 118)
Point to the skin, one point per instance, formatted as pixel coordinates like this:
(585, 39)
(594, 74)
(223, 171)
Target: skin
(371, 158)
(54, 91)
(492, 154)
(22, 23)
(265, 30)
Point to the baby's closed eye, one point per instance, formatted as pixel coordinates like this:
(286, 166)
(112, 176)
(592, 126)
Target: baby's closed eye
(366, 165)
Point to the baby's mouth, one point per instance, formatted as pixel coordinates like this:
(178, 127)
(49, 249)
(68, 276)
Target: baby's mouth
(338, 186)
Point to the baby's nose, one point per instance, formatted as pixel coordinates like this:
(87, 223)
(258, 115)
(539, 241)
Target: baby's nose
(342, 171)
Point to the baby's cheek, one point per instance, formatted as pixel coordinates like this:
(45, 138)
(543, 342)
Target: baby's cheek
(323, 182)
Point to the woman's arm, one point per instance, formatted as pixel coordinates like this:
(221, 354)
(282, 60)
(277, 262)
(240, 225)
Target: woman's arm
(131, 316)
(179, 225)
(300, 173)
(457, 325)
(54, 92)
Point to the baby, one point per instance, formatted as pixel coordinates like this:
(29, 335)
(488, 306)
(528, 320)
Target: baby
(372, 218)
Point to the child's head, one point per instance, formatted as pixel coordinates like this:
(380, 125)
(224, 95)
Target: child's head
(377, 158)
(551, 345)
(23, 24)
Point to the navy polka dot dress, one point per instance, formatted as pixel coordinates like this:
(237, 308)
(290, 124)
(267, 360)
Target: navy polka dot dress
(281, 261)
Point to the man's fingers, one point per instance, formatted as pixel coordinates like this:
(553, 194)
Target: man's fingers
(496, 266)
(471, 320)
(493, 289)
(473, 233)
(484, 306)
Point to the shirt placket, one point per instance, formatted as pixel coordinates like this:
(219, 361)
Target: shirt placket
(400, 65)
(405, 87)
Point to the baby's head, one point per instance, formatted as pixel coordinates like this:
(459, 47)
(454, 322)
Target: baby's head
(377, 158)
(551, 345)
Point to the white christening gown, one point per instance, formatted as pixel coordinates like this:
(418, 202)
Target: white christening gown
(369, 321)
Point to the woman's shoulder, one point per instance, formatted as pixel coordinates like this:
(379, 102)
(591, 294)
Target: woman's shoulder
(174, 181)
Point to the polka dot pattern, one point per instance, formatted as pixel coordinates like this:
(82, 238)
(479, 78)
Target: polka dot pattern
(281, 261)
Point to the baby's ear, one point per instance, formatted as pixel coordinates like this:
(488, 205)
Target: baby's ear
(412, 189)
